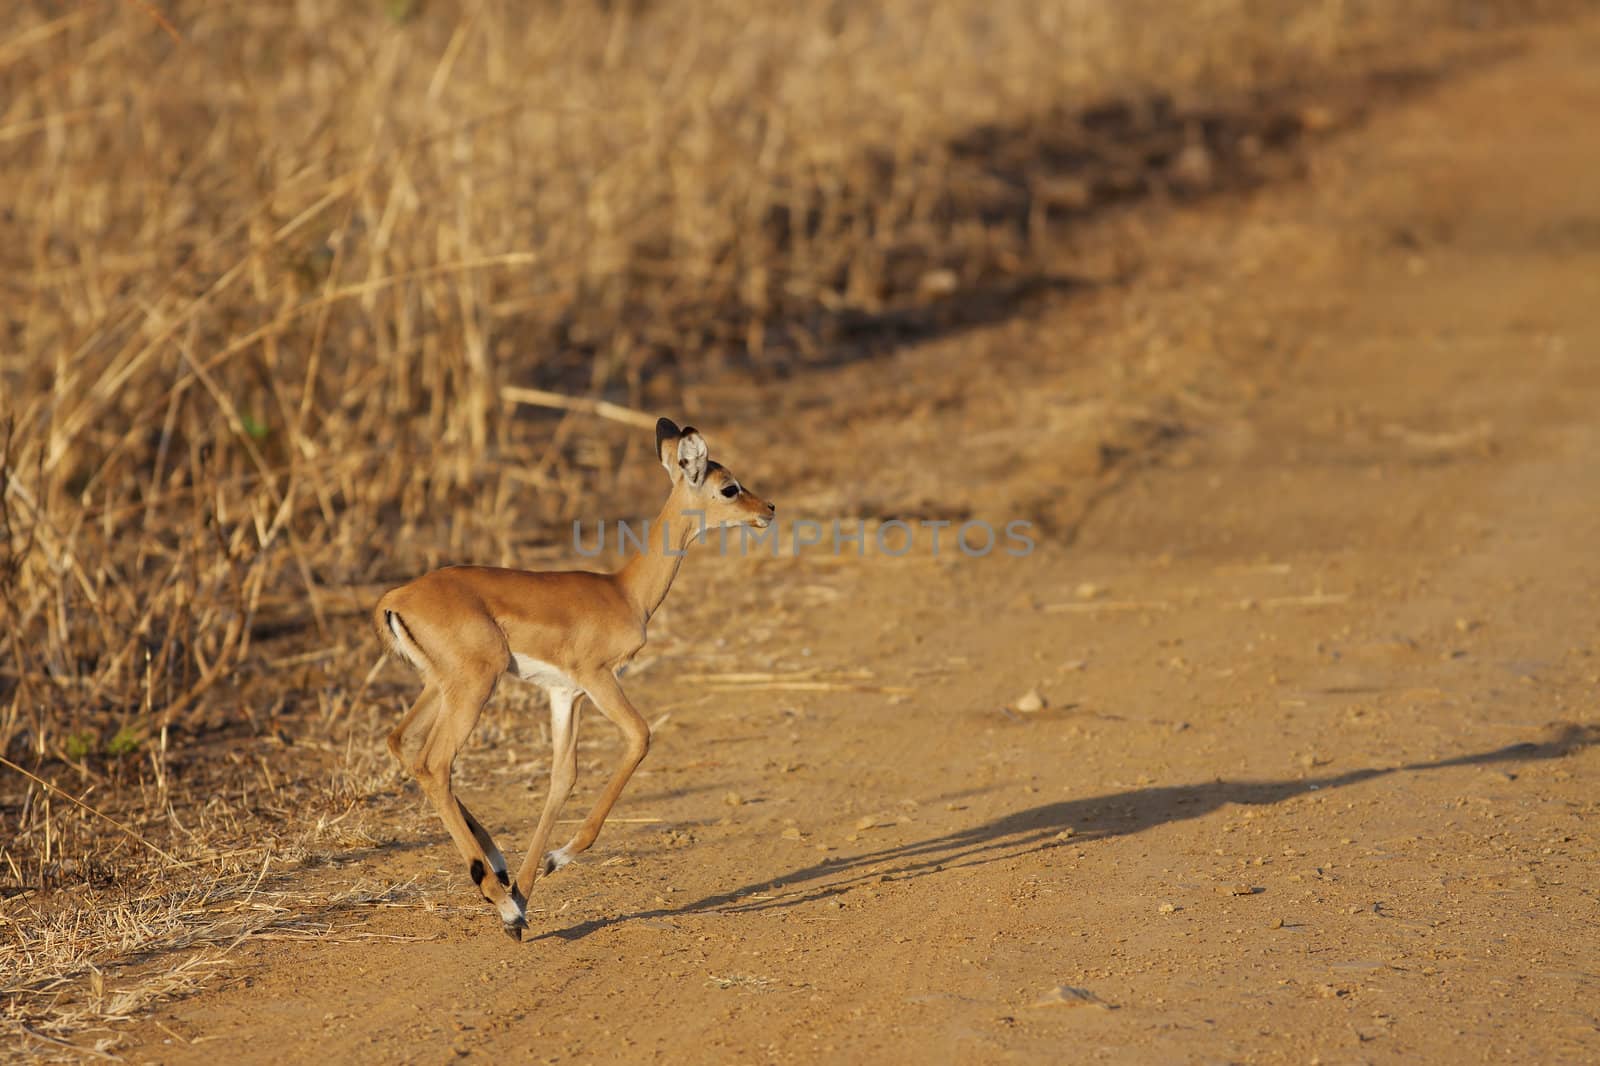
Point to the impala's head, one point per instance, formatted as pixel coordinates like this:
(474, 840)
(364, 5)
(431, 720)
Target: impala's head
(707, 486)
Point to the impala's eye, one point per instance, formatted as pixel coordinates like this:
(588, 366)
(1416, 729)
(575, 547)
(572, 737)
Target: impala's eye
(730, 491)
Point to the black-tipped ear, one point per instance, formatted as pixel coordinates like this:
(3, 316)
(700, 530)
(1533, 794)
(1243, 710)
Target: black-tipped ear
(667, 437)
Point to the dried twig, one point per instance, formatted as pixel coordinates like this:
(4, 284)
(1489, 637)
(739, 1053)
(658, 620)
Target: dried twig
(57, 791)
(580, 404)
(1098, 606)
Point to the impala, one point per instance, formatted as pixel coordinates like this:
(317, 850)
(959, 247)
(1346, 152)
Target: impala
(569, 632)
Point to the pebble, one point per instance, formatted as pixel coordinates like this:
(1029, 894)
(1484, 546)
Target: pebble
(1029, 702)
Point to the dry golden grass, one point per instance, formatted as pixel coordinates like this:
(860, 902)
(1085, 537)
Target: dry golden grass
(160, 945)
(274, 273)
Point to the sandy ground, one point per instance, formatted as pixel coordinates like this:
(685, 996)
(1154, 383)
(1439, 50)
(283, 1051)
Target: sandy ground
(1314, 610)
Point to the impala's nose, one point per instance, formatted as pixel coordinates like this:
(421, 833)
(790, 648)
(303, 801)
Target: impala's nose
(772, 508)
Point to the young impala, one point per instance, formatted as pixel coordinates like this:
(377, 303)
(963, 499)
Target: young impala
(569, 632)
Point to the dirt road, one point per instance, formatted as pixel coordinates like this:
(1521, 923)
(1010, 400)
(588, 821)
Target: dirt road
(1314, 611)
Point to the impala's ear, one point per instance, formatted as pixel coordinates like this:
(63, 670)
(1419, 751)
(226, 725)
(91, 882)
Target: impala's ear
(682, 451)
(667, 434)
(692, 456)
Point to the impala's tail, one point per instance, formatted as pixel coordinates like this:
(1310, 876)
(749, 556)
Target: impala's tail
(395, 636)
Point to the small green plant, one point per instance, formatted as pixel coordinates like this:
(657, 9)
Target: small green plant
(255, 427)
(77, 746)
(125, 742)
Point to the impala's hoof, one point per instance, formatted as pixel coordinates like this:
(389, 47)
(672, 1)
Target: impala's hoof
(555, 860)
(513, 915)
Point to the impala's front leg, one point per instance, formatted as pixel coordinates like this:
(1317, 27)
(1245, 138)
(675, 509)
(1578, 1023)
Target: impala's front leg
(613, 703)
(563, 774)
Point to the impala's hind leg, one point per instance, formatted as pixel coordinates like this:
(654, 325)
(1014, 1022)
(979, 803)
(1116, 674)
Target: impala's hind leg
(462, 702)
(497, 861)
(416, 723)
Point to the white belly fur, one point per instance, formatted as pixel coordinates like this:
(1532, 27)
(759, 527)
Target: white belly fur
(542, 673)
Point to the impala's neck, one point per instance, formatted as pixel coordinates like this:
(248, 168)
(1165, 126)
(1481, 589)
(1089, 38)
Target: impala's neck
(647, 575)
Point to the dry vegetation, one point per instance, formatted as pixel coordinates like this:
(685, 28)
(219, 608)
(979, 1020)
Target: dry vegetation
(274, 273)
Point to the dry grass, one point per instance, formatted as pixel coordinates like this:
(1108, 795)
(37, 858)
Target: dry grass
(254, 855)
(273, 279)
(74, 975)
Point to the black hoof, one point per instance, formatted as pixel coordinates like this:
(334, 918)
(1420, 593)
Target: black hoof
(514, 929)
